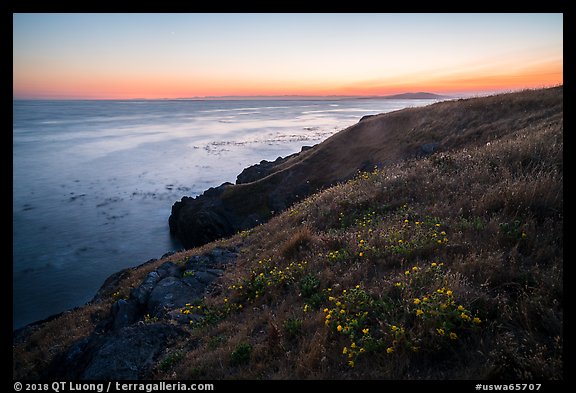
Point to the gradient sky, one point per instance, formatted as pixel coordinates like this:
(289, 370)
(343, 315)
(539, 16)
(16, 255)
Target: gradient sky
(196, 55)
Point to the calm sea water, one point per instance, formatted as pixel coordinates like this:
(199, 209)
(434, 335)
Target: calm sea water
(94, 181)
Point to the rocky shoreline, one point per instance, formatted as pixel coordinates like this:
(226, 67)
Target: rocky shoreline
(218, 213)
(126, 344)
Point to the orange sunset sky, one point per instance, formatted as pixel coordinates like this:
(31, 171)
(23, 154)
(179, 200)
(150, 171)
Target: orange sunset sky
(123, 56)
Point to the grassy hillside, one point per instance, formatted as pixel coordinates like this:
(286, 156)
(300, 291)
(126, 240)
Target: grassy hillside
(445, 266)
(376, 140)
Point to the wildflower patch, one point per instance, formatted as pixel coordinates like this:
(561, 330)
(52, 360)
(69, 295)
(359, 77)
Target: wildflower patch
(414, 314)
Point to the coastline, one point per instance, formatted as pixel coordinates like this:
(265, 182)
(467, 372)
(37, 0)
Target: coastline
(110, 197)
(118, 311)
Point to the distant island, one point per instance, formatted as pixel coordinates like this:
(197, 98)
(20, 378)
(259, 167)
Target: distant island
(421, 95)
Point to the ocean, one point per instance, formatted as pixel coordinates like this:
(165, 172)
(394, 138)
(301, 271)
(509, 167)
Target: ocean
(94, 181)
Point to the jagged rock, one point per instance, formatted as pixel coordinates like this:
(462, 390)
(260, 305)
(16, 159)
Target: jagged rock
(264, 168)
(168, 269)
(122, 348)
(171, 293)
(111, 283)
(124, 313)
(142, 293)
(206, 277)
(126, 354)
(222, 256)
(202, 219)
(217, 257)
(256, 172)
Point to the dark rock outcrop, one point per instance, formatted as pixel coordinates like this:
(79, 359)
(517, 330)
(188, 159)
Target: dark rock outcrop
(260, 191)
(264, 168)
(125, 354)
(200, 220)
(219, 213)
(140, 327)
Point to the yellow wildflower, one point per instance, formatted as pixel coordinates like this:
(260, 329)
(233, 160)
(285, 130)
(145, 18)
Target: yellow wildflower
(365, 331)
(360, 254)
(353, 345)
(351, 363)
(453, 336)
(415, 269)
(440, 331)
(389, 350)
(394, 328)
(449, 293)
(477, 320)
(339, 328)
(419, 312)
(460, 308)
(416, 301)
(345, 350)
(434, 264)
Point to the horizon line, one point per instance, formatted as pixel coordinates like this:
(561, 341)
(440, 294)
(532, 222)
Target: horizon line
(249, 97)
(462, 94)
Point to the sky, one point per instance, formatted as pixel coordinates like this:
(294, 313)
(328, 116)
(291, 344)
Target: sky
(153, 56)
